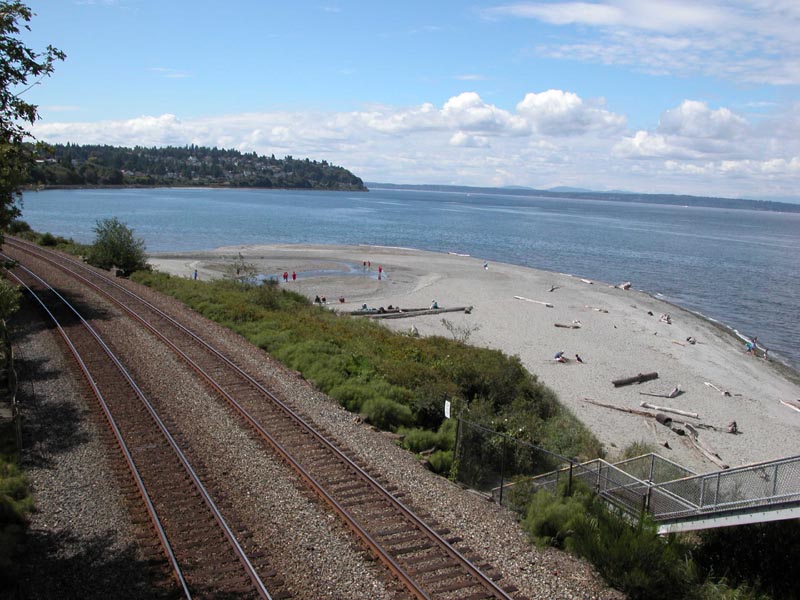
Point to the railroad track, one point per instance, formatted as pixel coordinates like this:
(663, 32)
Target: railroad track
(181, 511)
(426, 560)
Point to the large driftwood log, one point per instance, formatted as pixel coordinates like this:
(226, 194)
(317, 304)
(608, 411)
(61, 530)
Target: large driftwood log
(419, 313)
(635, 379)
(676, 411)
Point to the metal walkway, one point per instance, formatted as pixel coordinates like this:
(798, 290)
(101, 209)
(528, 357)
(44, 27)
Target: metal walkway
(678, 499)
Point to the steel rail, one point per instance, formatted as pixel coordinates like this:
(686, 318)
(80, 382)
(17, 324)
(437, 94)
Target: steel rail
(229, 535)
(383, 555)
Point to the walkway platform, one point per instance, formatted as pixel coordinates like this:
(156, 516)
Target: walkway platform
(678, 499)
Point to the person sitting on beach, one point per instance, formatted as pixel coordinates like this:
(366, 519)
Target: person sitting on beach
(317, 299)
(341, 299)
(578, 358)
(434, 304)
(559, 357)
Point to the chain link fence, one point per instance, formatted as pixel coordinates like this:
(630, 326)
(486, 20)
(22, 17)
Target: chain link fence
(492, 462)
(508, 468)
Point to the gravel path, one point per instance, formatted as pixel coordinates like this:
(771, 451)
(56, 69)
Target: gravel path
(79, 513)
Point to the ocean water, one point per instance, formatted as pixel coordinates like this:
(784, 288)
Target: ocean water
(737, 267)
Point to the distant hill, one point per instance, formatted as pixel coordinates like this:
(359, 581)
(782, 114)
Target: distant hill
(75, 165)
(616, 196)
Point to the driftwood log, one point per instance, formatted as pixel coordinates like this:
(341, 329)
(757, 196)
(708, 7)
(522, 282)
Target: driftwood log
(565, 326)
(694, 439)
(419, 313)
(676, 411)
(635, 379)
(676, 391)
(721, 391)
(633, 411)
(547, 304)
(790, 405)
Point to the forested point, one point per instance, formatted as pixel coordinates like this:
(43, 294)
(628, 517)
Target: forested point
(63, 165)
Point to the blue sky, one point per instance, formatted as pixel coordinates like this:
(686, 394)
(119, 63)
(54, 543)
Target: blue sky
(660, 97)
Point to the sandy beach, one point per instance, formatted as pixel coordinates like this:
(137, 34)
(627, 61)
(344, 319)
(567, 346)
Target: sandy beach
(617, 333)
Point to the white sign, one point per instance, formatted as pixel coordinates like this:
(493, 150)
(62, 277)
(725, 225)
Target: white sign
(447, 409)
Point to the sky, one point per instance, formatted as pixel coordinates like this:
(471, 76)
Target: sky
(672, 96)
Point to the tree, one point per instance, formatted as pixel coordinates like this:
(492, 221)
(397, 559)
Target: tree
(116, 246)
(18, 65)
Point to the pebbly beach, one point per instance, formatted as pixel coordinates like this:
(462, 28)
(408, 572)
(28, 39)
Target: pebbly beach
(747, 407)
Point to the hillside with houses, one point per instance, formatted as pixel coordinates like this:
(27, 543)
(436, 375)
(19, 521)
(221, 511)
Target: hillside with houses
(63, 165)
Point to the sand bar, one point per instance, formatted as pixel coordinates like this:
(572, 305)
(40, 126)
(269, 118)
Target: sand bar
(517, 309)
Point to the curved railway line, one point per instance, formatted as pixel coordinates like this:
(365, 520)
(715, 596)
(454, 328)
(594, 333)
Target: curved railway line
(182, 512)
(426, 561)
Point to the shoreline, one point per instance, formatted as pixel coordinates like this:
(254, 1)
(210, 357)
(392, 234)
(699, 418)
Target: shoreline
(618, 334)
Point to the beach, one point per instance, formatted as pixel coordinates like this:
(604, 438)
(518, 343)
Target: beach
(618, 333)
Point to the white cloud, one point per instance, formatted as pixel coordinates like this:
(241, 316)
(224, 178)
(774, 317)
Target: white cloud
(751, 41)
(464, 140)
(695, 119)
(556, 112)
(662, 16)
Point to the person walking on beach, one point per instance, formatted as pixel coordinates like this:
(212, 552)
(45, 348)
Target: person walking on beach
(294, 276)
(285, 276)
(380, 271)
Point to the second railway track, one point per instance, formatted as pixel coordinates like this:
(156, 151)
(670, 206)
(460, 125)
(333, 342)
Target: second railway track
(424, 560)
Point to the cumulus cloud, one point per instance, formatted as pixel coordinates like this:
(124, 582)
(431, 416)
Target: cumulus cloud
(556, 112)
(695, 119)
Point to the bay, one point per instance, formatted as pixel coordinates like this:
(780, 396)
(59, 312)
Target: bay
(737, 267)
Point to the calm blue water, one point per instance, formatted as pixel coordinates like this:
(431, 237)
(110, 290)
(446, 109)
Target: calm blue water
(738, 267)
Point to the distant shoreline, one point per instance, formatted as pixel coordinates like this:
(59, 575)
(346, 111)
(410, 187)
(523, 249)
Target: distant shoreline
(664, 199)
(44, 188)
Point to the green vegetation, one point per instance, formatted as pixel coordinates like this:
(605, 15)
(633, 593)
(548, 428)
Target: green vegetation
(20, 64)
(70, 164)
(397, 382)
(114, 246)
(758, 560)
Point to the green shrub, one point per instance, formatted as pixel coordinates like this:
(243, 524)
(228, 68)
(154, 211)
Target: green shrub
(116, 246)
(386, 414)
(419, 440)
(441, 462)
(632, 558)
(551, 519)
(18, 226)
(47, 239)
